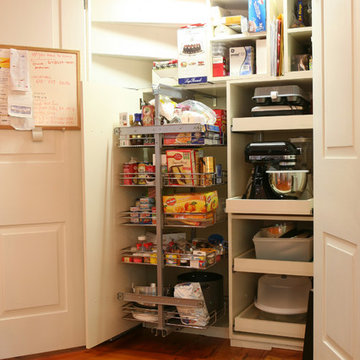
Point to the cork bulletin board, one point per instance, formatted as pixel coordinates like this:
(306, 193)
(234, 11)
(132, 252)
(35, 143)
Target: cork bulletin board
(54, 79)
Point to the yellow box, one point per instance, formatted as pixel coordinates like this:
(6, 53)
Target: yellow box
(191, 203)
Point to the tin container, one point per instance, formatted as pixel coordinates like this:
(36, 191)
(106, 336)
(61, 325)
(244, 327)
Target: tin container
(141, 169)
(129, 173)
(208, 169)
(150, 174)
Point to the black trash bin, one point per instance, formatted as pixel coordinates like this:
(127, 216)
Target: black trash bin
(211, 286)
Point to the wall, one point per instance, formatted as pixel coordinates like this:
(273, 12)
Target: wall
(125, 37)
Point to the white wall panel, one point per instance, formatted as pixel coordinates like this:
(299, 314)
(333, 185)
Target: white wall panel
(151, 42)
(30, 22)
(128, 73)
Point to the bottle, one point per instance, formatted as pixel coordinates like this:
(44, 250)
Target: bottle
(137, 139)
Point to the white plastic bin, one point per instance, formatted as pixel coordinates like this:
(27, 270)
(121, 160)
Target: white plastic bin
(291, 249)
(283, 294)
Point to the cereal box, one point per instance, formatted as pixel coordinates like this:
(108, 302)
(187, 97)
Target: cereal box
(191, 203)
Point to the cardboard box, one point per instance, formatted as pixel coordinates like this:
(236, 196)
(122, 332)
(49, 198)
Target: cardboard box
(242, 61)
(165, 72)
(257, 15)
(220, 66)
(192, 54)
(210, 135)
(261, 56)
(181, 165)
(237, 23)
(191, 219)
(221, 123)
(191, 203)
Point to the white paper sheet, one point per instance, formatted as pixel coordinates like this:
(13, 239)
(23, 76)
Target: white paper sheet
(20, 104)
(4, 81)
(22, 123)
(19, 70)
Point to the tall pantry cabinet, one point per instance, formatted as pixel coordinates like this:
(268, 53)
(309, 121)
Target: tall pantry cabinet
(107, 276)
(248, 326)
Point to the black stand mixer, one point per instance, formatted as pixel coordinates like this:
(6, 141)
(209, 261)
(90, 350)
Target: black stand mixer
(278, 155)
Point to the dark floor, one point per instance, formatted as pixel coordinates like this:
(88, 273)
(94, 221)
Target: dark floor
(140, 343)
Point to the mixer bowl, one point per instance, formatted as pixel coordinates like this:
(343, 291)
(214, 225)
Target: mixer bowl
(288, 183)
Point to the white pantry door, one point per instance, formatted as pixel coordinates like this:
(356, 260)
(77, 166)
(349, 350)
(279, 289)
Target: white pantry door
(41, 243)
(336, 34)
(104, 200)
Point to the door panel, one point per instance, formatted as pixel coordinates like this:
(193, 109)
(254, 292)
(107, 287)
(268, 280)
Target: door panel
(340, 269)
(337, 173)
(41, 243)
(33, 280)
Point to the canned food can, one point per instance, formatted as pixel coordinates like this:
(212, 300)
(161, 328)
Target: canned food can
(141, 169)
(208, 169)
(150, 174)
(130, 173)
(127, 176)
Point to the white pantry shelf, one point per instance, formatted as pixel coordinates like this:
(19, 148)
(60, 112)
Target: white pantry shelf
(267, 123)
(247, 262)
(237, 205)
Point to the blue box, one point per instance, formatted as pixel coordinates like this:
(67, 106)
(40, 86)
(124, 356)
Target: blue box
(257, 15)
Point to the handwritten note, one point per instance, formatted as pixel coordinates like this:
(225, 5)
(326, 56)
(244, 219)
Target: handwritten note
(54, 86)
(19, 71)
(4, 82)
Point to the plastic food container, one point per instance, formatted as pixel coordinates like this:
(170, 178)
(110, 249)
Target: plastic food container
(282, 294)
(291, 249)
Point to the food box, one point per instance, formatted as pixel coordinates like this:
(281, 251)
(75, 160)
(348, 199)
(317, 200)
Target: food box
(191, 219)
(145, 217)
(192, 54)
(191, 203)
(221, 122)
(209, 135)
(237, 23)
(205, 257)
(257, 15)
(165, 72)
(181, 166)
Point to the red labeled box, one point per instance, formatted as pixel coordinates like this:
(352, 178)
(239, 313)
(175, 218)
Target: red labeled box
(221, 123)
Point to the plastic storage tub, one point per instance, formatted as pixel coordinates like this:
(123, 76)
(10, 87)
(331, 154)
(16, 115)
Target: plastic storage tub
(282, 294)
(291, 249)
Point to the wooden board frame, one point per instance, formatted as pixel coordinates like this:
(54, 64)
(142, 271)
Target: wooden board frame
(77, 80)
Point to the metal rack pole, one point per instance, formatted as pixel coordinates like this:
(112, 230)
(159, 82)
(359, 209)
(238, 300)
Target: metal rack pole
(159, 214)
